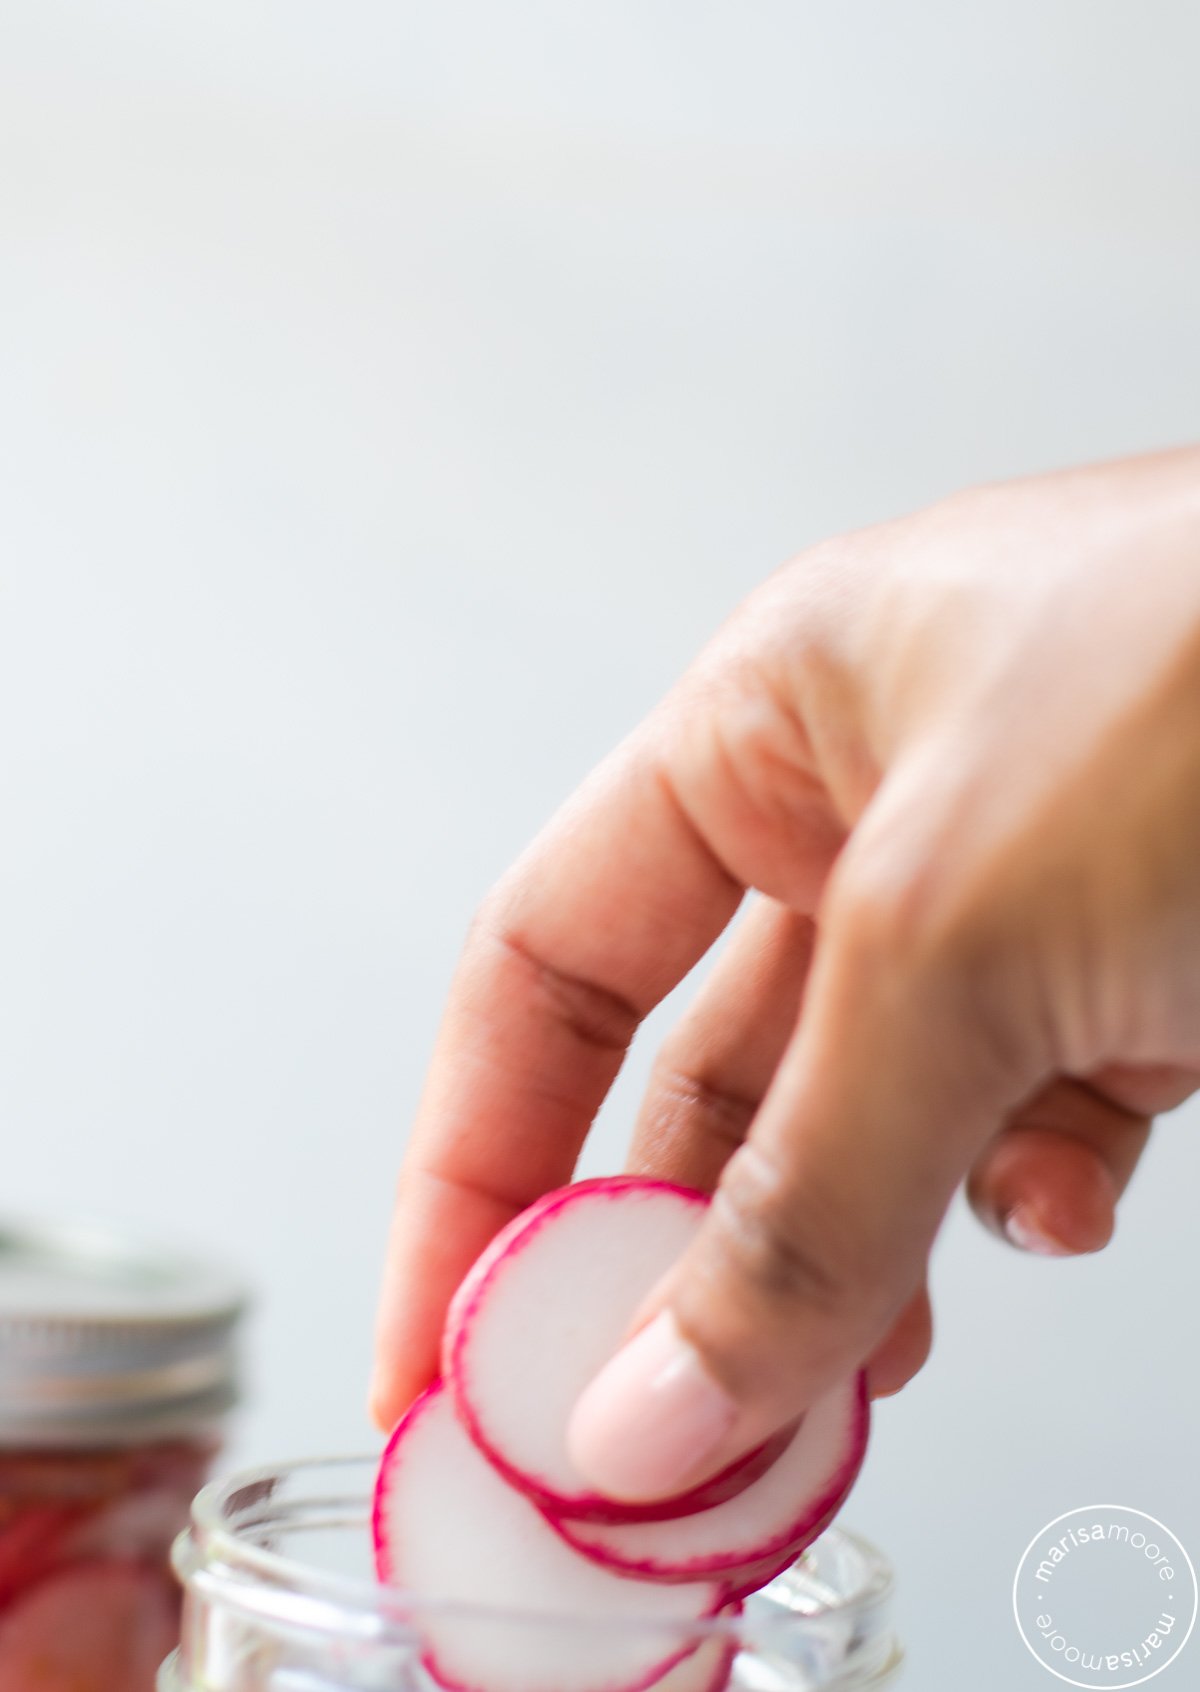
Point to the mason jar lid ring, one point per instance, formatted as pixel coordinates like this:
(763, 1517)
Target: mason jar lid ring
(104, 1338)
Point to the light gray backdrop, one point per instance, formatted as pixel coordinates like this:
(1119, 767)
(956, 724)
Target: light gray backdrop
(392, 397)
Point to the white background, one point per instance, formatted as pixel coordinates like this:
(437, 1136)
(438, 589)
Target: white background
(391, 400)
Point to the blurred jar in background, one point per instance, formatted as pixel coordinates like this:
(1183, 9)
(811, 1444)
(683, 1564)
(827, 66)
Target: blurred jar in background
(117, 1368)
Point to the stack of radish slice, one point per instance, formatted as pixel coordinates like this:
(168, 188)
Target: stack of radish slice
(478, 1503)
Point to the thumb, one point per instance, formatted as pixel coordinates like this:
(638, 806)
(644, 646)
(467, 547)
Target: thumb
(820, 1228)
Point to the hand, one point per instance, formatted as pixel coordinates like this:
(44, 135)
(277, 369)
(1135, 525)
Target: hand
(958, 756)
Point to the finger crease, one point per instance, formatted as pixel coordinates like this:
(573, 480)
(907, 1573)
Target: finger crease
(726, 1113)
(593, 1014)
(1125, 1115)
(513, 1198)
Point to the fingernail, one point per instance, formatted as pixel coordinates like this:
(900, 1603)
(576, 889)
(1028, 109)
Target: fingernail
(651, 1417)
(1027, 1234)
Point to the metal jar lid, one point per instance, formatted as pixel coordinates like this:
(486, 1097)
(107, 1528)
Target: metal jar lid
(105, 1341)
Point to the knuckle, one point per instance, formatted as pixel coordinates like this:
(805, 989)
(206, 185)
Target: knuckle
(920, 933)
(906, 901)
(876, 909)
(684, 1096)
(775, 1247)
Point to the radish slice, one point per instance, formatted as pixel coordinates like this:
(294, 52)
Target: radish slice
(540, 1313)
(454, 1534)
(776, 1517)
(704, 1670)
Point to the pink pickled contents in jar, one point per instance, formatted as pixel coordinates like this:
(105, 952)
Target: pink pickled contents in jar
(117, 1369)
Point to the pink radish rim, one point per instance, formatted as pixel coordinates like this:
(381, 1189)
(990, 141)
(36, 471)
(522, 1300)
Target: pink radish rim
(584, 1506)
(797, 1537)
(761, 1574)
(729, 1650)
(381, 1542)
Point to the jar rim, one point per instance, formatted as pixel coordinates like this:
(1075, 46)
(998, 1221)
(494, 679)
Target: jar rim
(217, 1555)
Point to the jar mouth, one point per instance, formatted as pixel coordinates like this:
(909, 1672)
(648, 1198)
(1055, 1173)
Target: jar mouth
(259, 1544)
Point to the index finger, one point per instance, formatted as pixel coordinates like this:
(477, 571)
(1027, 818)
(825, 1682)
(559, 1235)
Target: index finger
(597, 921)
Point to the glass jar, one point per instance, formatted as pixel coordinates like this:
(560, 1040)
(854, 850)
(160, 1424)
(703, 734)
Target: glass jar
(116, 1370)
(279, 1598)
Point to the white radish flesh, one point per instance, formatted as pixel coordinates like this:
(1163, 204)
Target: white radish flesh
(544, 1308)
(704, 1670)
(774, 1518)
(449, 1530)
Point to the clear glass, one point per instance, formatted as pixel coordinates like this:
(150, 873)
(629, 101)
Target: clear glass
(87, 1598)
(279, 1598)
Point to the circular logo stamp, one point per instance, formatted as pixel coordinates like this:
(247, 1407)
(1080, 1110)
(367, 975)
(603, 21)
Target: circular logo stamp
(1105, 1597)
